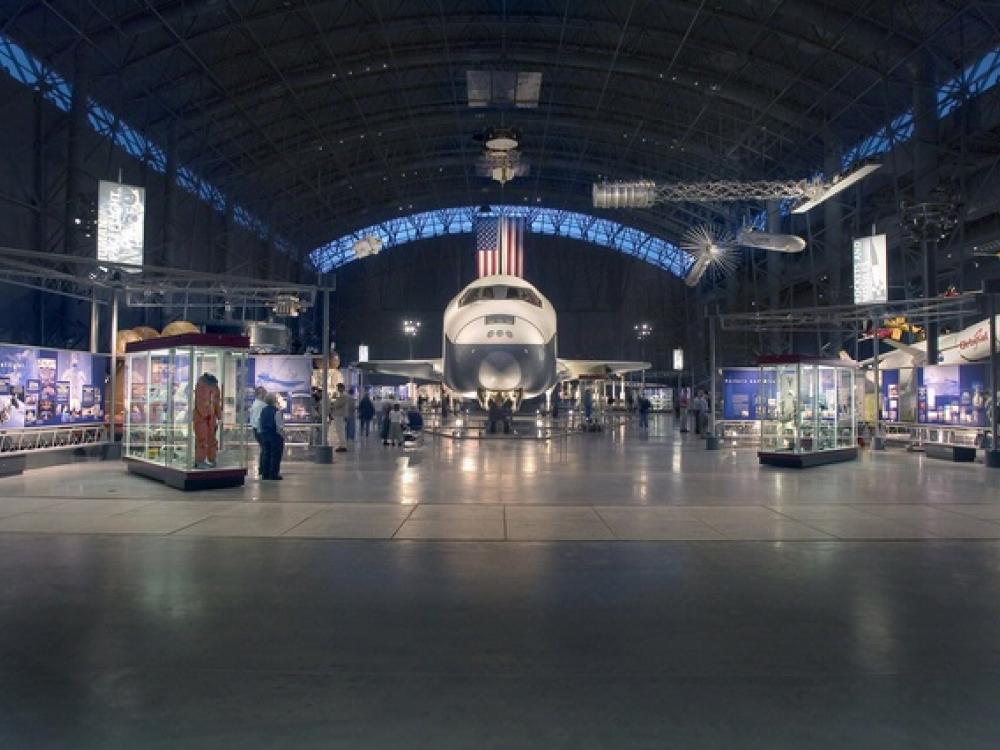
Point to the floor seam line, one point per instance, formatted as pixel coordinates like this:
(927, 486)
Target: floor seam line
(403, 522)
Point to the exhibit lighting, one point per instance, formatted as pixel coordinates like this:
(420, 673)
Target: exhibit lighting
(836, 185)
(411, 328)
(678, 359)
(363, 353)
(643, 331)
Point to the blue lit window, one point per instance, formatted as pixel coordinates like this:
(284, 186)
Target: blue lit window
(25, 68)
(977, 78)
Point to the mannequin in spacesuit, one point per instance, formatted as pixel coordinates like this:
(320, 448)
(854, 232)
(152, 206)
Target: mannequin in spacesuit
(207, 413)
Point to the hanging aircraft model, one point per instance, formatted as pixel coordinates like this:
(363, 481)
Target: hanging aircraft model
(968, 345)
(500, 341)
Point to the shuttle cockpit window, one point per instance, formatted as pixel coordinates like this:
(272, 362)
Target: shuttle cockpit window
(523, 294)
(479, 293)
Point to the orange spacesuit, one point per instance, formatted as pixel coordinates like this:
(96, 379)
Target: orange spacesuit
(207, 413)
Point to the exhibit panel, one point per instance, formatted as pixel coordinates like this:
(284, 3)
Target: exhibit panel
(186, 415)
(807, 411)
(42, 387)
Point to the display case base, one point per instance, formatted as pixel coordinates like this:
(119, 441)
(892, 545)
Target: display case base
(12, 466)
(956, 453)
(188, 481)
(806, 460)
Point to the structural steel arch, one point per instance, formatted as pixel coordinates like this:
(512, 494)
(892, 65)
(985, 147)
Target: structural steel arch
(540, 220)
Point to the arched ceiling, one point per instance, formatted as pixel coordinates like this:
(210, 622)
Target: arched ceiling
(326, 116)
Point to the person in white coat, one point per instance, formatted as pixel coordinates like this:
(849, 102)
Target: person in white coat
(338, 419)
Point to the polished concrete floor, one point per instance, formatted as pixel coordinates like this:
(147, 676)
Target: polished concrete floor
(499, 595)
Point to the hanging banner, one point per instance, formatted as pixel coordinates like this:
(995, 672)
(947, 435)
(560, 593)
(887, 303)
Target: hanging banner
(871, 277)
(121, 214)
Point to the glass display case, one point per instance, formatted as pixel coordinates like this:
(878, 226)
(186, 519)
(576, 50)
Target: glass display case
(185, 410)
(806, 411)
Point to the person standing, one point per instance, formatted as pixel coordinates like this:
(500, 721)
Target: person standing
(588, 404)
(351, 418)
(698, 407)
(366, 413)
(260, 394)
(384, 426)
(207, 413)
(684, 403)
(396, 426)
(644, 407)
(272, 438)
(494, 414)
(338, 419)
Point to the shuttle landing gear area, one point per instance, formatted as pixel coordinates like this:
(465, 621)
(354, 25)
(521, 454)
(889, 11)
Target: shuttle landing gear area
(515, 396)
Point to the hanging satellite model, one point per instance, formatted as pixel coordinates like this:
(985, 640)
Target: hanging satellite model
(501, 159)
(712, 248)
(370, 245)
(715, 249)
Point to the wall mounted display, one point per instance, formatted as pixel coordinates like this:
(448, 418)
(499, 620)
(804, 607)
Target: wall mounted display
(287, 376)
(121, 215)
(740, 391)
(50, 387)
(953, 395)
(890, 395)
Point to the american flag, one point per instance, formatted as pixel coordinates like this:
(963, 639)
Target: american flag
(500, 245)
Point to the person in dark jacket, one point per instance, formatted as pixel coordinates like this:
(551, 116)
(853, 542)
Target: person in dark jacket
(494, 415)
(644, 406)
(272, 441)
(366, 413)
(385, 423)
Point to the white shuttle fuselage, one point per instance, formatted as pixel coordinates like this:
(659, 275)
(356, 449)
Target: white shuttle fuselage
(499, 337)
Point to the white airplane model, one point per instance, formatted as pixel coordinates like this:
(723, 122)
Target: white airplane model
(500, 340)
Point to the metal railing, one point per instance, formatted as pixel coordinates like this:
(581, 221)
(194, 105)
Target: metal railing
(43, 438)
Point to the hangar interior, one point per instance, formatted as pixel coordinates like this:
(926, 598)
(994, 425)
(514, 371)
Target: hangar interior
(789, 206)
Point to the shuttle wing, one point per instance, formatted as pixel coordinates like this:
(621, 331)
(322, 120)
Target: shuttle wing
(571, 369)
(421, 369)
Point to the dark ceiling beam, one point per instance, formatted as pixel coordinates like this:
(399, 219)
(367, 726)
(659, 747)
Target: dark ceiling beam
(436, 125)
(572, 102)
(429, 62)
(820, 18)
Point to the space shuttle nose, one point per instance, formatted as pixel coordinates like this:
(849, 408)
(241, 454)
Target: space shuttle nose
(500, 371)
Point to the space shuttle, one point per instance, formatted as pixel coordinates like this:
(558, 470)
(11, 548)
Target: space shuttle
(500, 340)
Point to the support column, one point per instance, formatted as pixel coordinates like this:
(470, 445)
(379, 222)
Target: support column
(774, 265)
(167, 255)
(77, 128)
(711, 439)
(925, 176)
(324, 451)
(833, 230)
